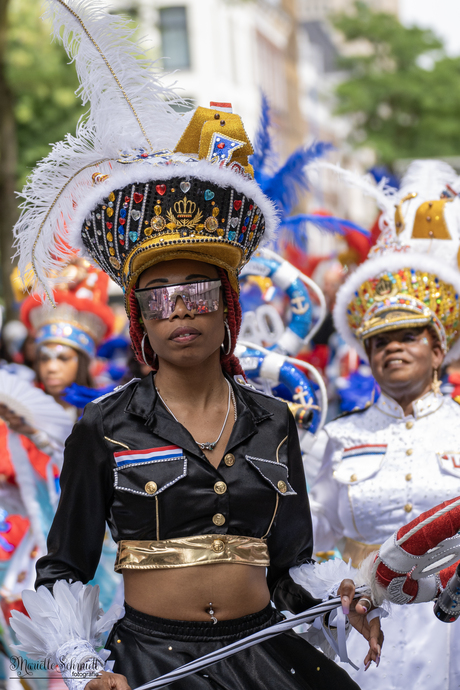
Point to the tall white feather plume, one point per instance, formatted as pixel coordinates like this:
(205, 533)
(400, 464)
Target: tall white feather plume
(130, 107)
(71, 613)
(383, 194)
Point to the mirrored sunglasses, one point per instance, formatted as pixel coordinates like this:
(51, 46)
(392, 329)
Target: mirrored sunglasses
(199, 298)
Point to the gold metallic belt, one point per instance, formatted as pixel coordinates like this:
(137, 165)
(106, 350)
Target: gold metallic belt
(187, 551)
(356, 551)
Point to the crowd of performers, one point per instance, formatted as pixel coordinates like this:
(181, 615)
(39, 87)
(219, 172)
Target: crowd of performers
(257, 435)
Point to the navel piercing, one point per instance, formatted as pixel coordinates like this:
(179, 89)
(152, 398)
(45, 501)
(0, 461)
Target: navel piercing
(211, 613)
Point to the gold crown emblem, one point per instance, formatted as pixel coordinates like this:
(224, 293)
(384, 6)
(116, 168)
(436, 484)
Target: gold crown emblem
(185, 208)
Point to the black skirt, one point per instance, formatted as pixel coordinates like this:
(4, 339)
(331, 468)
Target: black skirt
(145, 647)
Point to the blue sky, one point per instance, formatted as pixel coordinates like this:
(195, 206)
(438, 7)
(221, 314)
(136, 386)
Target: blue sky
(442, 16)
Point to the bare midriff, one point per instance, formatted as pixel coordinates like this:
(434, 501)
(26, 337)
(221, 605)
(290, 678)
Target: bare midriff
(185, 594)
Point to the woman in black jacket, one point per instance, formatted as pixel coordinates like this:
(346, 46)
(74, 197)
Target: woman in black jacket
(198, 476)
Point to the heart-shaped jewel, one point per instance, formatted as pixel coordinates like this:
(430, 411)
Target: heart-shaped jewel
(135, 214)
(122, 221)
(185, 186)
(208, 195)
(161, 189)
(137, 197)
(127, 199)
(220, 146)
(237, 204)
(234, 222)
(109, 226)
(133, 236)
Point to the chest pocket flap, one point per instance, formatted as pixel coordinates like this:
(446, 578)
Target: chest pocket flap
(449, 461)
(360, 463)
(150, 471)
(275, 473)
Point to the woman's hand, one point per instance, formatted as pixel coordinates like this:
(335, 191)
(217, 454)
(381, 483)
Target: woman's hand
(357, 610)
(108, 681)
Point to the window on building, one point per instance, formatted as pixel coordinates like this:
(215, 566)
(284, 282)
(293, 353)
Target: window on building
(174, 37)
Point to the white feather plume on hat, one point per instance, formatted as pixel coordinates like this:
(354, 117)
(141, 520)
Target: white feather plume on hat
(130, 107)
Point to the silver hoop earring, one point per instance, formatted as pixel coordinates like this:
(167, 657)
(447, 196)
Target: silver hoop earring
(229, 349)
(143, 351)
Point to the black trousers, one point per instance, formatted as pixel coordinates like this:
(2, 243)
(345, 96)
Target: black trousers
(145, 647)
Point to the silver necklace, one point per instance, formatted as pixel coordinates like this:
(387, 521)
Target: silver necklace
(207, 445)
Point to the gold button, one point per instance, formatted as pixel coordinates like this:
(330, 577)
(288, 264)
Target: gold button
(408, 477)
(409, 425)
(151, 487)
(409, 451)
(353, 478)
(282, 486)
(218, 545)
(218, 519)
(229, 459)
(220, 487)
(408, 507)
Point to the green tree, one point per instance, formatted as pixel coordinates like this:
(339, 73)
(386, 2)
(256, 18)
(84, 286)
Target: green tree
(37, 107)
(402, 89)
(42, 82)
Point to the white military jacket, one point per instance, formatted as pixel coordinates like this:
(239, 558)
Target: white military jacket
(381, 469)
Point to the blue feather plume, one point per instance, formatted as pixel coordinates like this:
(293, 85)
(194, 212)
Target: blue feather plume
(263, 147)
(329, 223)
(288, 183)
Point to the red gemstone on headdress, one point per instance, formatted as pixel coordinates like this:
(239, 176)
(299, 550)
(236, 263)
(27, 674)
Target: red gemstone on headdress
(251, 207)
(127, 200)
(122, 242)
(237, 204)
(221, 146)
(109, 225)
(144, 155)
(122, 221)
(137, 197)
(253, 226)
(161, 189)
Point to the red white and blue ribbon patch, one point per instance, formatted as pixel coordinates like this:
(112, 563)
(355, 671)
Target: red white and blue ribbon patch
(131, 457)
(367, 449)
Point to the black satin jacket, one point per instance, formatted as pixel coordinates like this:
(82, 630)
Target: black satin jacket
(265, 492)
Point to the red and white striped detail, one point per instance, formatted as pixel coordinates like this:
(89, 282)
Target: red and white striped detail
(128, 457)
(366, 449)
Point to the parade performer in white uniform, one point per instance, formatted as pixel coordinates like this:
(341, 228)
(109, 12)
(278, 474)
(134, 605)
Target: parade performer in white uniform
(385, 465)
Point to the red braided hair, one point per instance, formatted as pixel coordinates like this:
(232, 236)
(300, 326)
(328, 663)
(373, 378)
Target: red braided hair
(230, 363)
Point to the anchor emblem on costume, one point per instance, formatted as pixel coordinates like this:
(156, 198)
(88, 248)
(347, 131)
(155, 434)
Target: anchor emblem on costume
(299, 306)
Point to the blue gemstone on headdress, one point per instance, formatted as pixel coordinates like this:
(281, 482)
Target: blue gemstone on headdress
(121, 231)
(208, 195)
(133, 236)
(123, 213)
(241, 237)
(231, 236)
(246, 220)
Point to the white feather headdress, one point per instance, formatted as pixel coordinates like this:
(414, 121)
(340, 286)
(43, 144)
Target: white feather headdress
(130, 107)
(420, 231)
(125, 143)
